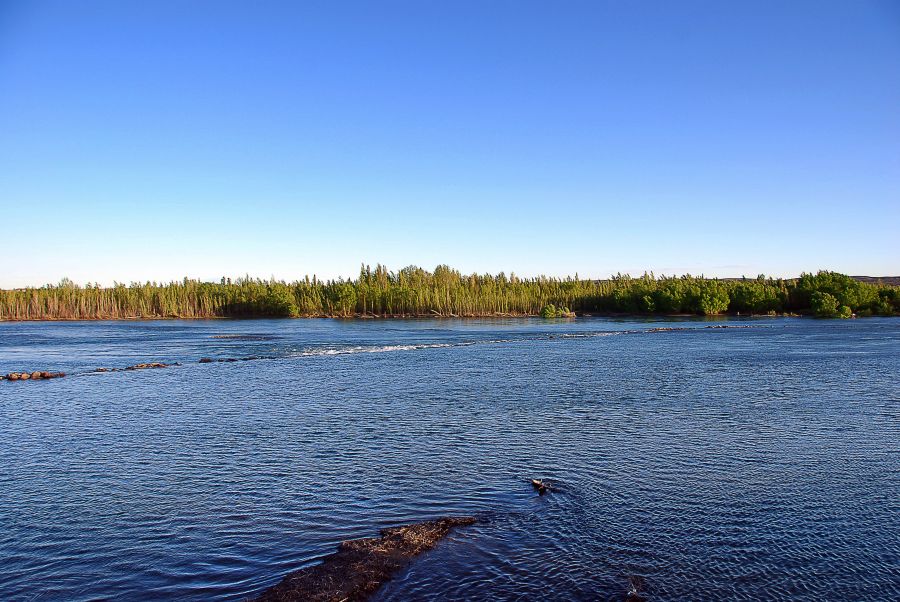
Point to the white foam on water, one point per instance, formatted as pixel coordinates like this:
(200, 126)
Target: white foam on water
(374, 349)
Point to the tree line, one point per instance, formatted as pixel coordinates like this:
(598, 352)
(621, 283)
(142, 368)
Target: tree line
(414, 291)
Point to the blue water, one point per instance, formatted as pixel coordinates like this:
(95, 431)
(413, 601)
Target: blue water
(736, 463)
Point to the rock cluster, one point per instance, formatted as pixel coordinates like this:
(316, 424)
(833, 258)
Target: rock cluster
(145, 366)
(36, 375)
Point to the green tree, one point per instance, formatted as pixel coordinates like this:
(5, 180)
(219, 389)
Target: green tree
(824, 305)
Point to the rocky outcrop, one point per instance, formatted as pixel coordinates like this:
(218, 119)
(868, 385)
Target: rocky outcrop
(361, 566)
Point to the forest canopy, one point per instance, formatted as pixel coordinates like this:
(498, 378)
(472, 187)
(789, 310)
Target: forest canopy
(414, 291)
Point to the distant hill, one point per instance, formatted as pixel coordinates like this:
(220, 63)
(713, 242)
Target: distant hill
(891, 280)
(888, 280)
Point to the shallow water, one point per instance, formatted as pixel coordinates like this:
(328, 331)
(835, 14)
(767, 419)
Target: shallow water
(737, 463)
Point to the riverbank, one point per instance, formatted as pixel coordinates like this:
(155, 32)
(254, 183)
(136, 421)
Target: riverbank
(486, 316)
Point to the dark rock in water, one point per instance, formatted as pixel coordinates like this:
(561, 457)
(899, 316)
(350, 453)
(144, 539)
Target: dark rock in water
(209, 360)
(143, 366)
(361, 566)
(541, 486)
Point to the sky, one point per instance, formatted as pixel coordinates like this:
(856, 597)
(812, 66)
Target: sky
(158, 140)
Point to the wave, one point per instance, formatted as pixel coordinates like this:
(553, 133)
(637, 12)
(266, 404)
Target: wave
(419, 346)
(374, 349)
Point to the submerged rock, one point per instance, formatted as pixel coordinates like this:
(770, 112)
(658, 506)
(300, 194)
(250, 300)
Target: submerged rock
(228, 360)
(361, 566)
(635, 585)
(143, 366)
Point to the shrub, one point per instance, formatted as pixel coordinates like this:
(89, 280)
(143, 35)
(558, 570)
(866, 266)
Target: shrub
(551, 311)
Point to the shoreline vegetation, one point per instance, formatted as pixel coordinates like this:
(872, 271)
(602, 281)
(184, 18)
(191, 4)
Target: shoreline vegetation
(444, 292)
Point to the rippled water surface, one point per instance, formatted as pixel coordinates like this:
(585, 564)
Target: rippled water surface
(712, 463)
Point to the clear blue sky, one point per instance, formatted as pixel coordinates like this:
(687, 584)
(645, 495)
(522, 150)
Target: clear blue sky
(156, 140)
